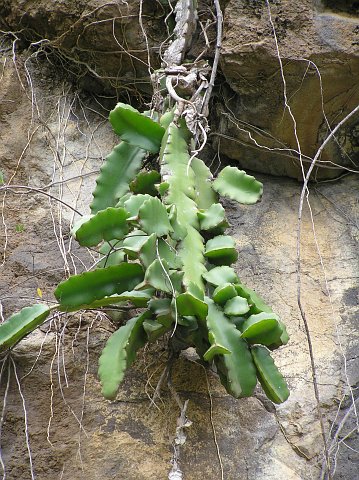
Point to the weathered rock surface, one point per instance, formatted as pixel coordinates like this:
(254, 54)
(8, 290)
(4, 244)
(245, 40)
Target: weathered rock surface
(318, 42)
(103, 45)
(129, 438)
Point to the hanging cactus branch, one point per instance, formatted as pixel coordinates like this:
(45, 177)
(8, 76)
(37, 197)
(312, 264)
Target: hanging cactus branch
(161, 233)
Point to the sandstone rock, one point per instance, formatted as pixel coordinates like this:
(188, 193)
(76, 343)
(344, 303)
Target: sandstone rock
(103, 45)
(98, 40)
(319, 50)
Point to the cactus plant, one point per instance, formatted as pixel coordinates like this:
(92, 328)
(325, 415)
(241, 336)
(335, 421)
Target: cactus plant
(162, 237)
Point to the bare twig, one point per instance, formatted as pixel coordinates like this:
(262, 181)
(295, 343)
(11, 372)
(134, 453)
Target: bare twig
(165, 375)
(26, 424)
(219, 456)
(180, 438)
(145, 37)
(5, 362)
(219, 17)
(10, 188)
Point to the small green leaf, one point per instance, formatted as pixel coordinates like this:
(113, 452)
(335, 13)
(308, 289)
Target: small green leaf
(259, 328)
(255, 301)
(148, 252)
(215, 349)
(123, 199)
(119, 168)
(155, 330)
(237, 185)
(162, 188)
(78, 223)
(236, 306)
(134, 203)
(167, 252)
(219, 275)
(133, 243)
(265, 331)
(119, 353)
(111, 255)
(153, 218)
(136, 128)
(195, 290)
(177, 280)
(213, 219)
(189, 305)
(269, 376)
(109, 224)
(189, 322)
(167, 118)
(87, 287)
(158, 276)
(145, 183)
(221, 250)
(2, 178)
(20, 324)
(223, 293)
(283, 338)
(139, 298)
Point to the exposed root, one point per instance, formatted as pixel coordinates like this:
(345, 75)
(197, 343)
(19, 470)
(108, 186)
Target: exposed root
(182, 423)
(26, 425)
(5, 362)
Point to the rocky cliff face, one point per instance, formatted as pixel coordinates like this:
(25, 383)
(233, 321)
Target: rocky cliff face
(318, 43)
(102, 40)
(53, 135)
